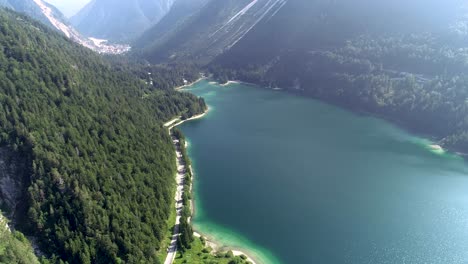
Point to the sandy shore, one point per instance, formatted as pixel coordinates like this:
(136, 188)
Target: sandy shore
(189, 84)
(215, 246)
(178, 121)
(180, 176)
(436, 147)
(238, 82)
(231, 82)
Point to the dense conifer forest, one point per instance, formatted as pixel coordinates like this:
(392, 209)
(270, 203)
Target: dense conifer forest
(101, 164)
(14, 247)
(418, 80)
(99, 175)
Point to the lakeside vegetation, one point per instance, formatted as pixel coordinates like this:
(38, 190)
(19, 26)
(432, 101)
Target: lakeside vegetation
(186, 237)
(419, 80)
(156, 76)
(201, 253)
(14, 246)
(101, 165)
(193, 249)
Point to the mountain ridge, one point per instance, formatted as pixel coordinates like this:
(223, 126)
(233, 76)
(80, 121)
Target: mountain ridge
(119, 21)
(51, 16)
(209, 30)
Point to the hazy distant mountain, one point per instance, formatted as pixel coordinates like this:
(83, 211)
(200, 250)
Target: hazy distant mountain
(305, 35)
(208, 31)
(51, 16)
(266, 27)
(5, 3)
(180, 12)
(119, 20)
(32, 9)
(326, 24)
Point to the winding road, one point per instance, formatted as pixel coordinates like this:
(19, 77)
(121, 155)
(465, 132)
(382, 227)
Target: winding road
(172, 250)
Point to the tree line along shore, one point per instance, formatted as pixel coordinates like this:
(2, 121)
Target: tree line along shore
(193, 247)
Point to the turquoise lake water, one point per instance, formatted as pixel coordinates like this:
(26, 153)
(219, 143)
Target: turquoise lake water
(289, 179)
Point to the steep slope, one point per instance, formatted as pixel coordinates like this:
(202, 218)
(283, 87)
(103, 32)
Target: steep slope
(179, 13)
(119, 20)
(404, 60)
(306, 25)
(51, 16)
(31, 8)
(101, 163)
(269, 26)
(14, 247)
(208, 32)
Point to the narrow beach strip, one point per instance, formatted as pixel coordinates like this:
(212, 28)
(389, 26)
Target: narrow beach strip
(181, 169)
(189, 84)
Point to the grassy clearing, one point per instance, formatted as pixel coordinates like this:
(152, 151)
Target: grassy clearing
(199, 253)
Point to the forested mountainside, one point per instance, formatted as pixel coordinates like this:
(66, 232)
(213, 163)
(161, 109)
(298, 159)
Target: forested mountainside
(14, 246)
(180, 12)
(119, 20)
(32, 9)
(408, 65)
(206, 32)
(101, 165)
(51, 16)
(324, 24)
(157, 76)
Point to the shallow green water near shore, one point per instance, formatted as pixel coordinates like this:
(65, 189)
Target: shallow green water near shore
(293, 180)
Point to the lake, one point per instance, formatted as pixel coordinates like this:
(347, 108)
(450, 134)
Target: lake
(292, 180)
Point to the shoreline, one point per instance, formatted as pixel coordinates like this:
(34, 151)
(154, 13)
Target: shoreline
(189, 84)
(437, 142)
(436, 147)
(180, 175)
(237, 82)
(230, 82)
(216, 246)
(177, 121)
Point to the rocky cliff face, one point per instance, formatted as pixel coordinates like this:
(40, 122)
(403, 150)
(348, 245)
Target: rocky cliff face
(3, 224)
(31, 8)
(13, 176)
